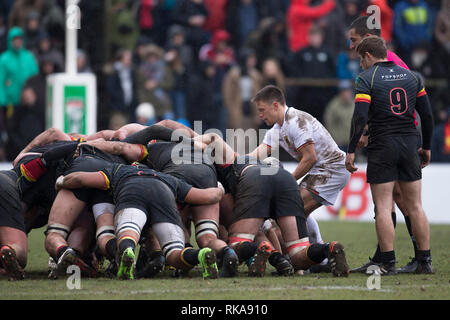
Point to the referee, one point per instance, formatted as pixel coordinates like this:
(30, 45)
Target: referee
(386, 97)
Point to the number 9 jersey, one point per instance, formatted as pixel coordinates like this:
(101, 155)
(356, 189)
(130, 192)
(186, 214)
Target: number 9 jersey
(391, 92)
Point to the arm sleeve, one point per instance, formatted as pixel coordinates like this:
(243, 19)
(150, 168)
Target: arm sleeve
(59, 152)
(423, 107)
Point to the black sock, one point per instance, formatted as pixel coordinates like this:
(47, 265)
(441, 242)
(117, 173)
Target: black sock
(275, 257)
(111, 249)
(190, 256)
(221, 253)
(423, 255)
(388, 257)
(60, 251)
(245, 250)
(414, 242)
(156, 254)
(126, 243)
(317, 252)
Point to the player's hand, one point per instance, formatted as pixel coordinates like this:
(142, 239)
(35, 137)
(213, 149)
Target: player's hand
(350, 162)
(363, 142)
(425, 157)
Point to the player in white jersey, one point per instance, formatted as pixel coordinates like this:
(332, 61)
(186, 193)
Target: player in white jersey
(321, 162)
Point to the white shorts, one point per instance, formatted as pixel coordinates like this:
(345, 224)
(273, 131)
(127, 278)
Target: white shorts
(327, 184)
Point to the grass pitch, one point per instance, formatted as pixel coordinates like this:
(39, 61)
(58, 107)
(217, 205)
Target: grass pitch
(358, 238)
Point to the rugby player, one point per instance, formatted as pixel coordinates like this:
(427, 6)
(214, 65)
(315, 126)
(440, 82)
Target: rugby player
(386, 97)
(140, 195)
(259, 192)
(358, 30)
(21, 189)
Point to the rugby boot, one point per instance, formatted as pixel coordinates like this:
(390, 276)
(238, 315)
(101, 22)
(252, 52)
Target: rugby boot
(65, 260)
(9, 260)
(320, 268)
(337, 260)
(112, 269)
(257, 267)
(230, 263)
(207, 260)
(126, 265)
(424, 266)
(411, 267)
(283, 267)
(364, 267)
(51, 267)
(384, 269)
(154, 265)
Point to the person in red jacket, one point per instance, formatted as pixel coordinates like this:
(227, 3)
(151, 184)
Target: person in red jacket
(300, 17)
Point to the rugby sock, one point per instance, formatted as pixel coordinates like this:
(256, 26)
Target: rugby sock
(60, 251)
(388, 257)
(111, 248)
(423, 255)
(222, 252)
(190, 256)
(313, 230)
(317, 252)
(414, 242)
(126, 242)
(245, 250)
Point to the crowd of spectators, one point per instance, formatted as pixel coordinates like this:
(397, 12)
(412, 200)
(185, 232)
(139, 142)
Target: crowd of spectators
(204, 59)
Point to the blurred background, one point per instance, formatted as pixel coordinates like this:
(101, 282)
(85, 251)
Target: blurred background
(203, 60)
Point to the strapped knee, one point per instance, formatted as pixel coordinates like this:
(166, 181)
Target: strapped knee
(130, 219)
(170, 237)
(58, 228)
(206, 226)
(293, 247)
(240, 237)
(102, 208)
(104, 232)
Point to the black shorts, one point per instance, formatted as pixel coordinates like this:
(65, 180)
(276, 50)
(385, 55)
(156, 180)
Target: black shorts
(150, 195)
(11, 214)
(200, 176)
(267, 196)
(89, 164)
(393, 158)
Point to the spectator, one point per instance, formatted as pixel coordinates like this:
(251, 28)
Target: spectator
(347, 66)
(242, 19)
(334, 29)
(192, 15)
(140, 50)
(3, 34)
(176, 40)
(314, 61)
(145, 18)
(440, 147)
(272, 74)
(442, 26)
(413, 25)
(351, 11)
(45, 48)
(300, 17)
(155, 81)
(16, 65)
(270, 41)
(25, 124)
(241, 83)
(121, 24)
(38, 83)
(121, 87)
(387, 18)
(218, 51)
(272, 8)
(145, 114)
(203, 100)
(21, 10)
(83, 62)
(216, 14)
(32, 30)
(181, 78)
(338, 114)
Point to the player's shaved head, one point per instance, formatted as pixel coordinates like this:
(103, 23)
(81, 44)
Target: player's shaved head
(361, 27)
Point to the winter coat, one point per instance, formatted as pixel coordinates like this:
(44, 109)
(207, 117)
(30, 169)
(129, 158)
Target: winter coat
(16, 66)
